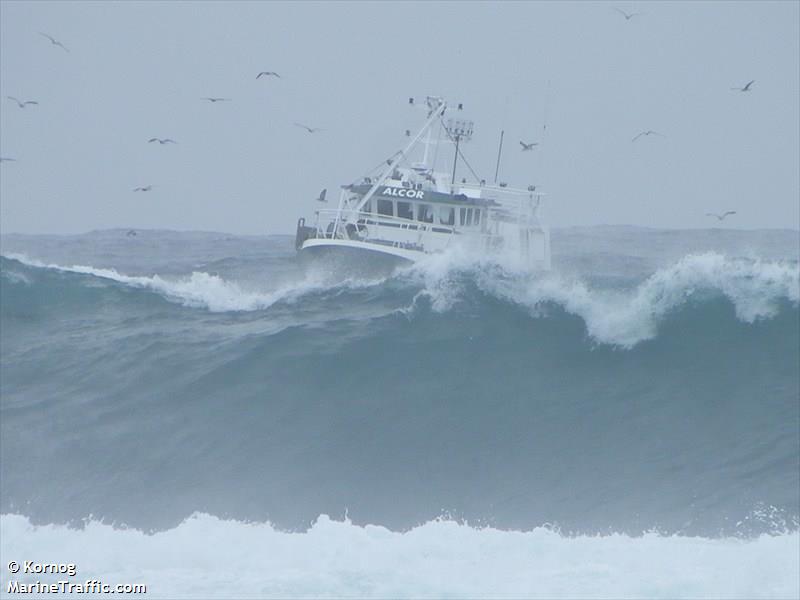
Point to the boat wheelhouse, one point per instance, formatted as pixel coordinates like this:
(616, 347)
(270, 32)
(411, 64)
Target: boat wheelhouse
(410, 210)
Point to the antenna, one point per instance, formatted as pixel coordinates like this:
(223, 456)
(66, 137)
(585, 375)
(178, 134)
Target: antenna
(502, 134)
(499, 151)
(458, 129)
(542, 142)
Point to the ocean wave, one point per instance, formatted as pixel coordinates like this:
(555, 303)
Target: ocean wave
(625, 318)
(201, 289)
(210, 557)
(447, 387)
(619, 317)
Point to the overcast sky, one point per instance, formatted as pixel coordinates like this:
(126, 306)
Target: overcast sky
(136, 70)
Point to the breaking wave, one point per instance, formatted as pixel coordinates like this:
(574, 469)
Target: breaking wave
(211, 557)
(622, 317)
(186, 412)
(197, 290)
(669, 400)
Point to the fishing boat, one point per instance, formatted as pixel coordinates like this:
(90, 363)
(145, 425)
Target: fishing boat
(409, 210)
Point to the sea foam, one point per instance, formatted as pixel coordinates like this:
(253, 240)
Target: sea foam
(210, 557)
(204, 290)
(755, 289)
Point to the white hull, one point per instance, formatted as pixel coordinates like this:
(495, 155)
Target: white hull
(349, 258)
(355, 247)
(376, 256)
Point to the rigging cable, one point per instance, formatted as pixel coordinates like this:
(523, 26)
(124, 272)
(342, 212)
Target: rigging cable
(376, 167)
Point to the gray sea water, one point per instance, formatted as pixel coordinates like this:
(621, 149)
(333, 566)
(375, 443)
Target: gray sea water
(649, 383)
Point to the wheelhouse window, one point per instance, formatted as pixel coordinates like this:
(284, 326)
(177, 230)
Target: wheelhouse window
(447, 215)
(424, 213)
(476, 219)
(386, 208)
(405, 210)
(466, 216)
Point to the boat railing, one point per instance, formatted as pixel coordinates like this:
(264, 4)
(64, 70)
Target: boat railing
(340, 218)
(367, 226)
(500, 191)
(331, 223)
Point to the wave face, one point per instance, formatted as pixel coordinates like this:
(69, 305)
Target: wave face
(650, 383)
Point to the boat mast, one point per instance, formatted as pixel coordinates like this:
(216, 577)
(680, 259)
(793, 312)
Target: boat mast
(438, 107)
(499, 151)
(458, 129)
(455, 160)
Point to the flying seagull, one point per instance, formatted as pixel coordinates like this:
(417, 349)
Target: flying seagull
(145, 188)
(321, 197)
(20, 103)
(745, 88)
(648, 132)
(268, 74)
(54, 41)
(131, 233)
(309, 129)
(722, 216)
(216, 99)
(5, 159)
(526, 147)
(628, 16)
(160, 141)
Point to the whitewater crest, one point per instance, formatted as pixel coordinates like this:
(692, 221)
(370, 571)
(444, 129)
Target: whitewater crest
(625, 318)
(620, 317)
(200, 289)
(436, 559)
